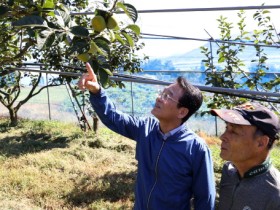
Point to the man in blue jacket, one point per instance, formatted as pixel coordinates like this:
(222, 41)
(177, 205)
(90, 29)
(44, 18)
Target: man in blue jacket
(175, 168)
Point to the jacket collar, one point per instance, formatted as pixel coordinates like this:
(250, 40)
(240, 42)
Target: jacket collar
(260, 169)
(172, 132)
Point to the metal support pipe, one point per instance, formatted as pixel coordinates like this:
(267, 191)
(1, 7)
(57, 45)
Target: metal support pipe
(256, 95)
(191, 9)
(48, 93)
(240, 42)
(148, 71)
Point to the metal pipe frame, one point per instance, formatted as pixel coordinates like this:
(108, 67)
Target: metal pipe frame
(209, 9)
(256, 95)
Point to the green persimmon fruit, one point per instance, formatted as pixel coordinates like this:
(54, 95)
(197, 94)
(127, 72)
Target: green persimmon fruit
(98, 23)
(112, 22)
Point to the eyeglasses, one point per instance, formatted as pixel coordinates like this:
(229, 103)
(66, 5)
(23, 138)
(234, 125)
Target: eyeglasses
(165, 96)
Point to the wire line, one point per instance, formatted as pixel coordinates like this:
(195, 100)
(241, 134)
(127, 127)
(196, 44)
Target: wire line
(191, 9)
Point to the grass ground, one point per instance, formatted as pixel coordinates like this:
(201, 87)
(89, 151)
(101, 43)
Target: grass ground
(55, 166)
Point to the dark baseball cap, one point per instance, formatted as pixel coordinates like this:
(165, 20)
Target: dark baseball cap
(252, 114)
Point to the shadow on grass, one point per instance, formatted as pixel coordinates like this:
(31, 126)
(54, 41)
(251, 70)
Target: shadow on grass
(31, 142)
(110, 187)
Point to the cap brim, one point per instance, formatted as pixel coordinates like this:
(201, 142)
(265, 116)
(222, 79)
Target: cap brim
(230, 116)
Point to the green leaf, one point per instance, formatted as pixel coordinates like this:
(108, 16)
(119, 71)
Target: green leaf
(129, 39)
(79, 31)
(134, 28)
(104, 77)
(95, 66)
(132, 12)
(65, 14)
(80, 46)
(129, 10)
(120, 39)
(51, 13)
(48, 4)
(221, 59)
(59, 18)
(31, 20)
(107, 71)
(3, 10)
(45, 39)
(266, 11)
(103, 44)
(31, 32)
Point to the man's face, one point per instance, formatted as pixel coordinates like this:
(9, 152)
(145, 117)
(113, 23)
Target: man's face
(165, 108)
(239, 144)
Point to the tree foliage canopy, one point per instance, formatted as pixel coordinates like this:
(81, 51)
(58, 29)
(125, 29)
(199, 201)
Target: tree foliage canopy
(227, 70)
(56, 34)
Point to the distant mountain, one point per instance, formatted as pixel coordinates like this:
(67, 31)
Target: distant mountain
(192, 60)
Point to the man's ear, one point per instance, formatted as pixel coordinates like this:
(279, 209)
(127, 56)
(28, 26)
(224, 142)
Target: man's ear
(263, 141)
(183, 111)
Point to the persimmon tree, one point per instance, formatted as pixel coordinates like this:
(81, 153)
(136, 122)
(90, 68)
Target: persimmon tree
(57, 35)
(226, 69)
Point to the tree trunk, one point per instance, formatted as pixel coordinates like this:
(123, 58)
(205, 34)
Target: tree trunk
(95, 123)
(13, 117)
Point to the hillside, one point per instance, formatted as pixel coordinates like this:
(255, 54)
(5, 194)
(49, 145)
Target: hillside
(192, 60)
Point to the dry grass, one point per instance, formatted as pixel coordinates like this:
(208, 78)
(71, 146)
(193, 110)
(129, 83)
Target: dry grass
(210, 140)
(55, 166)
(43, 168)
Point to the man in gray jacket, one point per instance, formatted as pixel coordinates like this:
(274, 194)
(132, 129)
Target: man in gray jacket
(249, 180)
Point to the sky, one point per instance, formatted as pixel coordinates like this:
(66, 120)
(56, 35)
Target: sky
(200, 24)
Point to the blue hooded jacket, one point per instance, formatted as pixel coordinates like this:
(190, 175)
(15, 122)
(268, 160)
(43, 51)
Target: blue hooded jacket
(172, 174)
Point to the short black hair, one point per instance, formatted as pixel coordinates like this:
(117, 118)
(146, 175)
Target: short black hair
(192, 97)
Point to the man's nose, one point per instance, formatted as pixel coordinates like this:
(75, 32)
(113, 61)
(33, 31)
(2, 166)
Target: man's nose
(159, 97)
(223, 137)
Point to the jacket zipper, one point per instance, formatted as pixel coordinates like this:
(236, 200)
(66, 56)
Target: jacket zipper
(156, 174)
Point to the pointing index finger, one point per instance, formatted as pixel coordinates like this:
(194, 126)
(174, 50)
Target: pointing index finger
(90, 71)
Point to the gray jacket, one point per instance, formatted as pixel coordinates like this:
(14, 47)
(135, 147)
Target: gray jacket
(259, 190)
